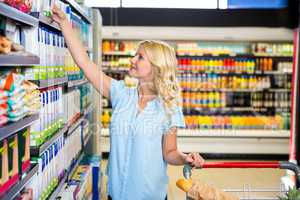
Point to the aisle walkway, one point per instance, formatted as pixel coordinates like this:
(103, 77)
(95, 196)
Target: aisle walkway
(223, 178)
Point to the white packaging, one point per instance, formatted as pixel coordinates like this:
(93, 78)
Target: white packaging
(30, 43)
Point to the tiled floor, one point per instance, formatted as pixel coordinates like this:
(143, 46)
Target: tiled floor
(248, 179)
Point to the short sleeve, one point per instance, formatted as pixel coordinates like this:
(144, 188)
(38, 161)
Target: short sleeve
(176, 119)
(117, 91)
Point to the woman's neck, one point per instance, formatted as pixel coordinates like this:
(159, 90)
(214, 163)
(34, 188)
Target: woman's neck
(146, 91)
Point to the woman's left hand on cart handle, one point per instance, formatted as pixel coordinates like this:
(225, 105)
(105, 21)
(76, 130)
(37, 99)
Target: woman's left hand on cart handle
(195, 160)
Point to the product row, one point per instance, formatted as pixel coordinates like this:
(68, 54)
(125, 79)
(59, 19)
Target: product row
(225, 121)
(14, 159)
(234, 65)
(195, 48)
(53, 164)
(18, 97)
(196, 82)
(57, 109)
(281, 122)
(194, 100)
(226, 48)
(55, 59)
(217, 65)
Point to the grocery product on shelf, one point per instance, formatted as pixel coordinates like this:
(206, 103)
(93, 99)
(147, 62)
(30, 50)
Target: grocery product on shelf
(114, 47)
(16, 92)
(105, 118)
(85, 96)
(51, 116)
(214, 48)
(15, 159)
(22, 5)
(281, 49)
(54, 163)
(5, 45)
(255, 122)
(71, 106)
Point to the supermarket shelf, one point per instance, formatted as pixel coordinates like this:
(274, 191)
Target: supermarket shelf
(75, 125)
(196, 71)
(51, 82)
(122, 70)
(12, 128)
(74, 165)
(78, 9)
(16, 189)
(15, 59)
(232, 55)
(36, 151)
(272, 56)
(65, 178)
(58, 188)
(280, 90)
(76, 83)
(278, 72)
(236, 133)
(17, 15)
(118, 53)
(87, 110)
(227, 109)
(221, 90)
(225, 141)
(86, 139)
(46, 20)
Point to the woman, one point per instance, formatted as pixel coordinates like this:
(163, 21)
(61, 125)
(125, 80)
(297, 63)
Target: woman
(144, 121)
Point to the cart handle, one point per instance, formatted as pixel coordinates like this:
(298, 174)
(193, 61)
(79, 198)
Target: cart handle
(187, 169)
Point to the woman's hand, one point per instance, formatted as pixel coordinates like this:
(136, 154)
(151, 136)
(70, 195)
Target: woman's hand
(58, 15)
(194, 159)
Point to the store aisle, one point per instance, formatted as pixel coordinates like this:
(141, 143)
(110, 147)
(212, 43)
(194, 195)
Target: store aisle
(222, 178)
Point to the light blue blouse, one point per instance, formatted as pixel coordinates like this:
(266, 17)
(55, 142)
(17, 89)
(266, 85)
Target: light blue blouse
(136, 168)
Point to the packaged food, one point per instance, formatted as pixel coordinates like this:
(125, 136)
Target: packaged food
(3, 109)
(15, 115)
(3, 120)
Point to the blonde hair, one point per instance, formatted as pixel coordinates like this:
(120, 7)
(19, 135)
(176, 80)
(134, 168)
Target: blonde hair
(164, 64)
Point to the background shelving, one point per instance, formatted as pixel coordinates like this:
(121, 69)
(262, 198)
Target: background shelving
(222, 82)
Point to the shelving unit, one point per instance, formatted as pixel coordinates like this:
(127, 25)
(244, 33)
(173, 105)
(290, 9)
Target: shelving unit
(50, 38)
(212, 86)
(17, 15)
(87, 110)
(75, 125)
(78, 9)
(37, 151)
(16, 189)
(66, 176)
(51, 82)
(12, 128)
(86, 139)
(13, 59)
(76, 83)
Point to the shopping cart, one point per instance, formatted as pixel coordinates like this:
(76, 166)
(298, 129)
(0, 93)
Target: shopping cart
(248, 193)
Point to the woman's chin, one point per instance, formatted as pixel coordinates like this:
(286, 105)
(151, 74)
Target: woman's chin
(132, 73)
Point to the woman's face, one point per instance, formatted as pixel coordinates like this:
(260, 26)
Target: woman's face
(140, 66)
